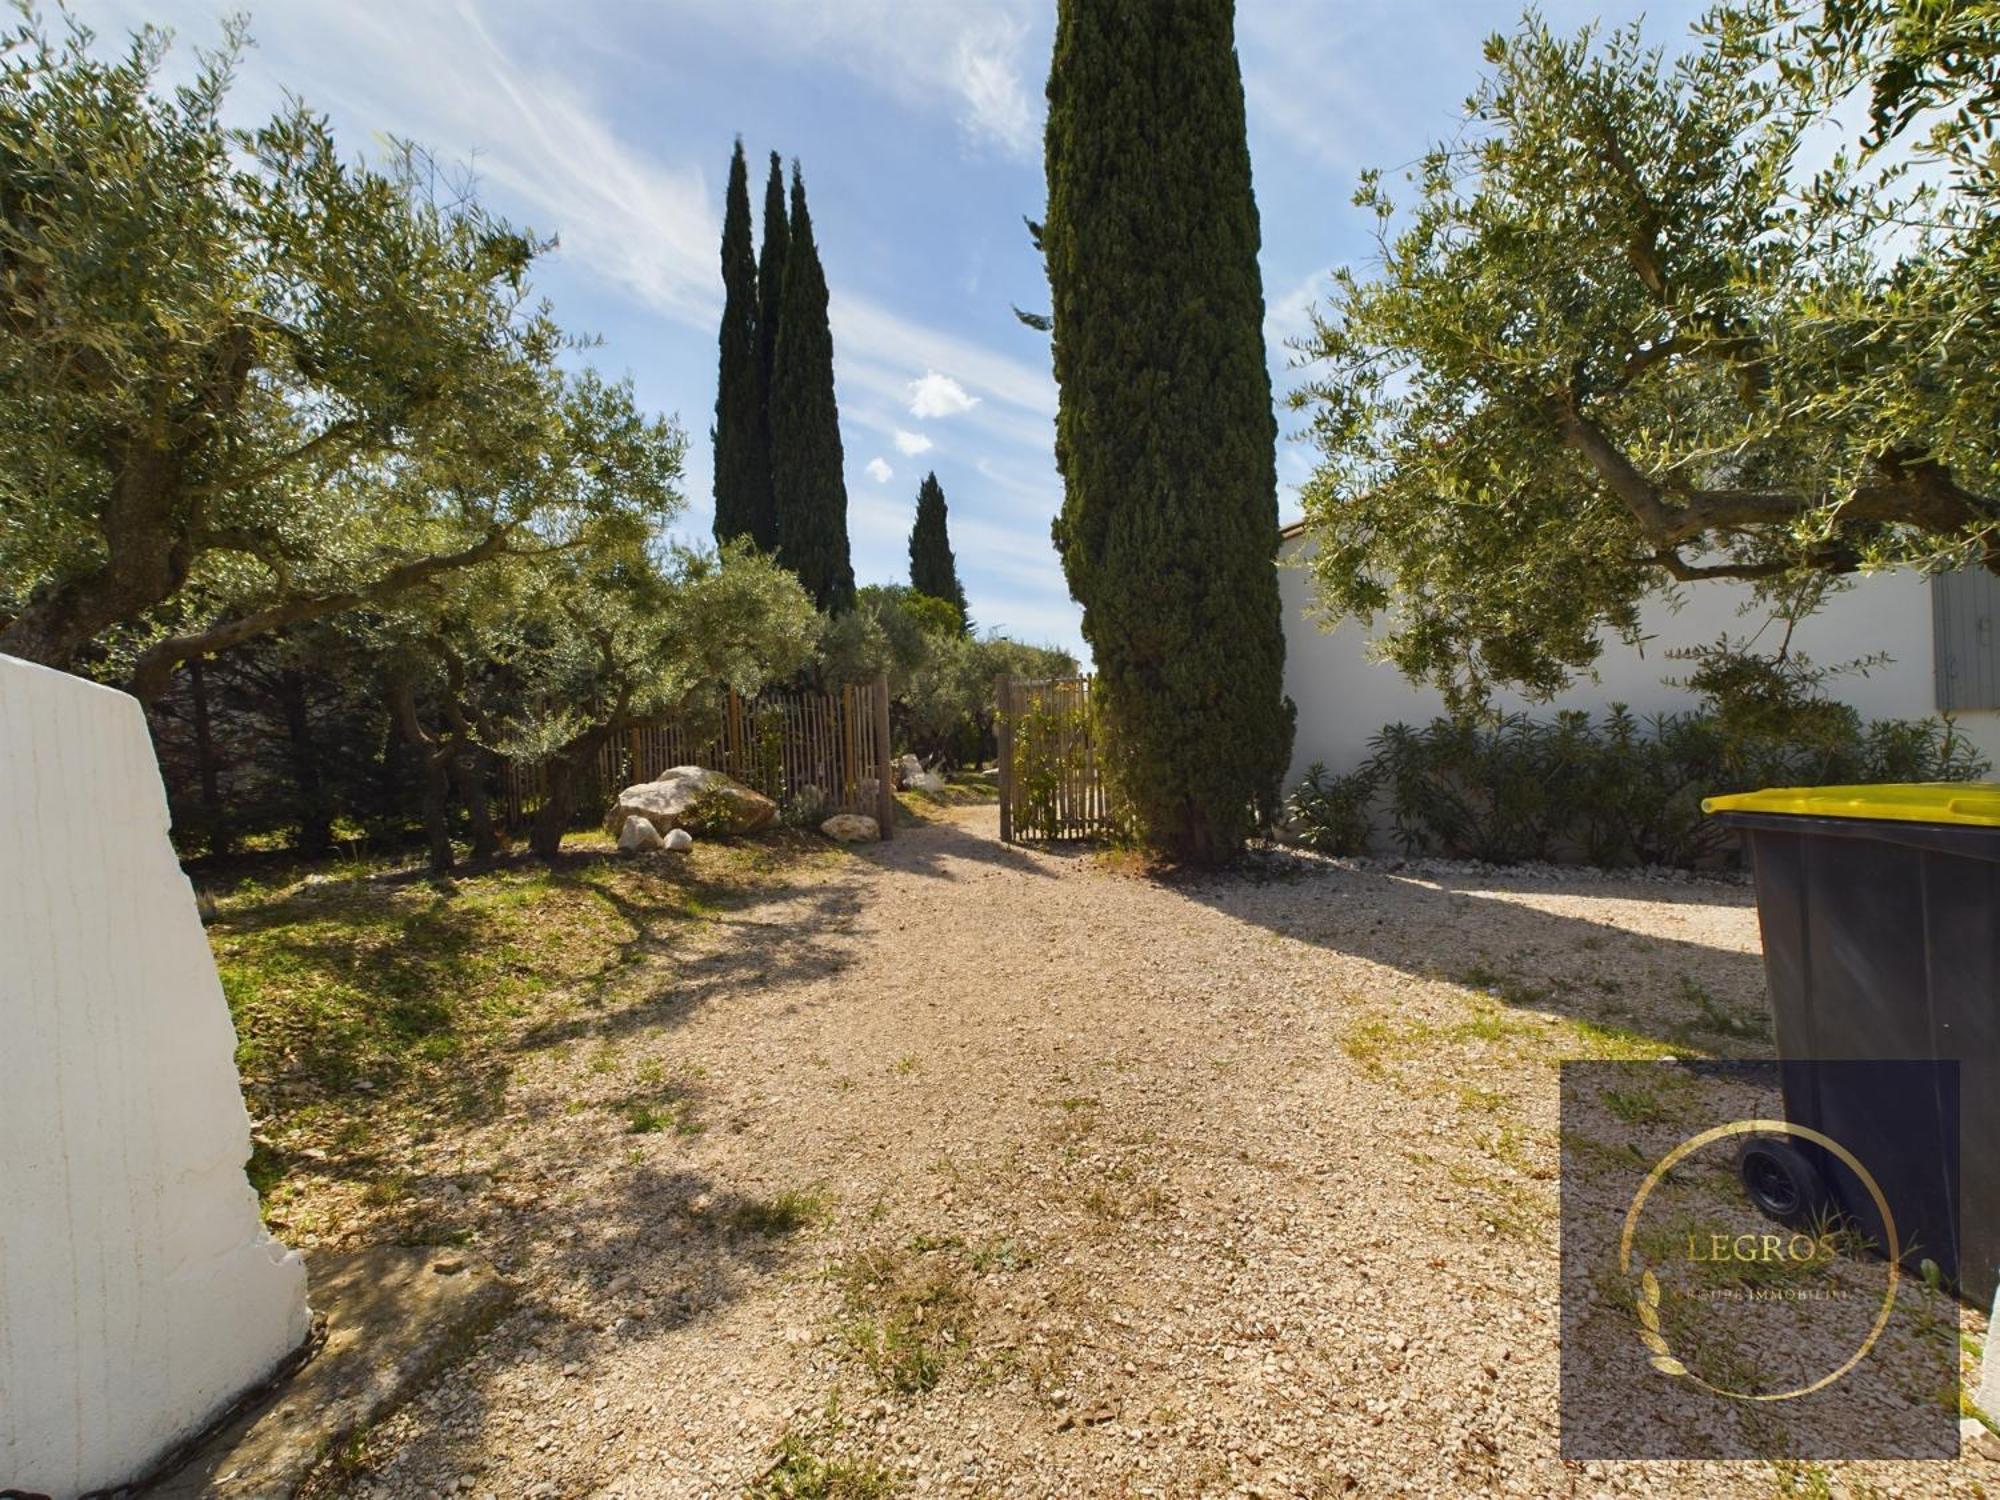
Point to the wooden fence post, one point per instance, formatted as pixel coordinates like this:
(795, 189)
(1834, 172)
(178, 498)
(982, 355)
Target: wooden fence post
(1003, 724)
(885, 770)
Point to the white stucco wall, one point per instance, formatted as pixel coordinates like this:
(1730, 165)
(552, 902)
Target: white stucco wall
(139, 1291)
(1344, 697)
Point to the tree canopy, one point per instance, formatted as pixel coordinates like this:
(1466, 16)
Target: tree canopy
(1627, 335)
(246, 382)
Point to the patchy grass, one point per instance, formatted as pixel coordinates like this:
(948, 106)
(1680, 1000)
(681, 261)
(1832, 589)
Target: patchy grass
(909, 1311)
(376, 1006)
(1719, 1019)
(773, 1218)
(651, 1117)
(803, 1469)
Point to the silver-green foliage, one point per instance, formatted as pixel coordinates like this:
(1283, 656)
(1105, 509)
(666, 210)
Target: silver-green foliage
(1632, 326)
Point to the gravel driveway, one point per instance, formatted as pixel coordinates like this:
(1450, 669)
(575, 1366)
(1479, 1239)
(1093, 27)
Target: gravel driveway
(979, 1170)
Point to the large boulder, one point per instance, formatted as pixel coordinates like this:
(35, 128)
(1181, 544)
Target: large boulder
(851, 828)
(694, 797)
(908, 769)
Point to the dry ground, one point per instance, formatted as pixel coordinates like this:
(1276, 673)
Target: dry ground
(950, 1168)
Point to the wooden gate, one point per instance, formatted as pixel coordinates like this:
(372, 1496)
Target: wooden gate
(1051, 783)
(786, 745)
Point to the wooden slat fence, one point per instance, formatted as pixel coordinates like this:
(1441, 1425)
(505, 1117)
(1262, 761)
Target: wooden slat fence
(1051, 786)
(782, 744)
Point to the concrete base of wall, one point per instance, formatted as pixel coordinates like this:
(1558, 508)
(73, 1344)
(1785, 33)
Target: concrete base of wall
(394, 1318)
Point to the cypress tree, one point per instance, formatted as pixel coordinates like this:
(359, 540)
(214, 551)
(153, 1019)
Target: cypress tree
(1165, 436)
(808, 479)
(933, 569)
(770, 292)
(742, 453)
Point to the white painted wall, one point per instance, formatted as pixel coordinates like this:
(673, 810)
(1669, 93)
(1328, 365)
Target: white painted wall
(139, 1291)
(1345, 697)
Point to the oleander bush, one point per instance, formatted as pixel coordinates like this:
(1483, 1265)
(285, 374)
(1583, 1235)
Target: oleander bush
(1617, 789)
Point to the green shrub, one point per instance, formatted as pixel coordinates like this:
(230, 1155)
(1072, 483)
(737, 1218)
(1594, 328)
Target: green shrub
(1616, 790)
(710, 814)
(1330, 814)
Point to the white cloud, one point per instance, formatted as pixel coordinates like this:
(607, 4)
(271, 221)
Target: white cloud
(968, 56)
(879, 471)
(640, 223)
(912, 443)
(987, 76)
(939, 396)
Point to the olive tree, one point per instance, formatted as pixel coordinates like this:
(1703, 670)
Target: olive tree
(247, 382)
(1626, 336)
(589, 644)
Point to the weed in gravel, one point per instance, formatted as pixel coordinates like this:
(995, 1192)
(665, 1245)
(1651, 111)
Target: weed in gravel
(1802, 1480)
(773, 1218)
(1510, 1209)
(1004, 1255)
(1721, 1019)
(1481, 1101)
(1634, 1106)
(909, 1311)
(650, 1118)
(1368, 1043)
(387, 1190)
(800, 1470)
(1503, 986)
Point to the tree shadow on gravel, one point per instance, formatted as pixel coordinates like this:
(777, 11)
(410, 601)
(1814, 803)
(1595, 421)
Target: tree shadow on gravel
(1483, 932)
(796, 942)
(929, 845)
(598, 1284)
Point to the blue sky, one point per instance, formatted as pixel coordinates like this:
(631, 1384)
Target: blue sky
(609, 124)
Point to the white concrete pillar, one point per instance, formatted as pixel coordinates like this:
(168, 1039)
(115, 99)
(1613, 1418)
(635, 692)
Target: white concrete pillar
(139, 1291)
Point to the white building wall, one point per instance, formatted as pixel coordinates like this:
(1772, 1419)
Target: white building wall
(1345, 697)
(139, 1291)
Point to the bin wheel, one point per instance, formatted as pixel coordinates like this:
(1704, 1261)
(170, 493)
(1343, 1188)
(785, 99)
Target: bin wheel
(1783, 1182)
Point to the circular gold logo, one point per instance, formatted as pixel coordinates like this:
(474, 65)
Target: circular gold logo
(1647, 1303)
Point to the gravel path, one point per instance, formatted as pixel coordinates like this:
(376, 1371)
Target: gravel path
(974, 1170)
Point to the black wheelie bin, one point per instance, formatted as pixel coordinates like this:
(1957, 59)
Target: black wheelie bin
(1880, 910)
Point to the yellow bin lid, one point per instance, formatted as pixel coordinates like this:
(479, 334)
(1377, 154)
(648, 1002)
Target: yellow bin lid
(1976, 803)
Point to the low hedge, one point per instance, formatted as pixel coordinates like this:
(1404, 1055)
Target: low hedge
(1613, 790)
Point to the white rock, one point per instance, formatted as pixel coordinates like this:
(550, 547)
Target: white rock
(667, 801)
(679, 841)
(139, 1291)
(638, 835)
(908, 769)
(851, 828)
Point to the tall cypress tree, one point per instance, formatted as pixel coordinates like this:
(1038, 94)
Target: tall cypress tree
(742, 452)
(1164, 431)
(933, 569)
(807, 474)
(770, 293)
